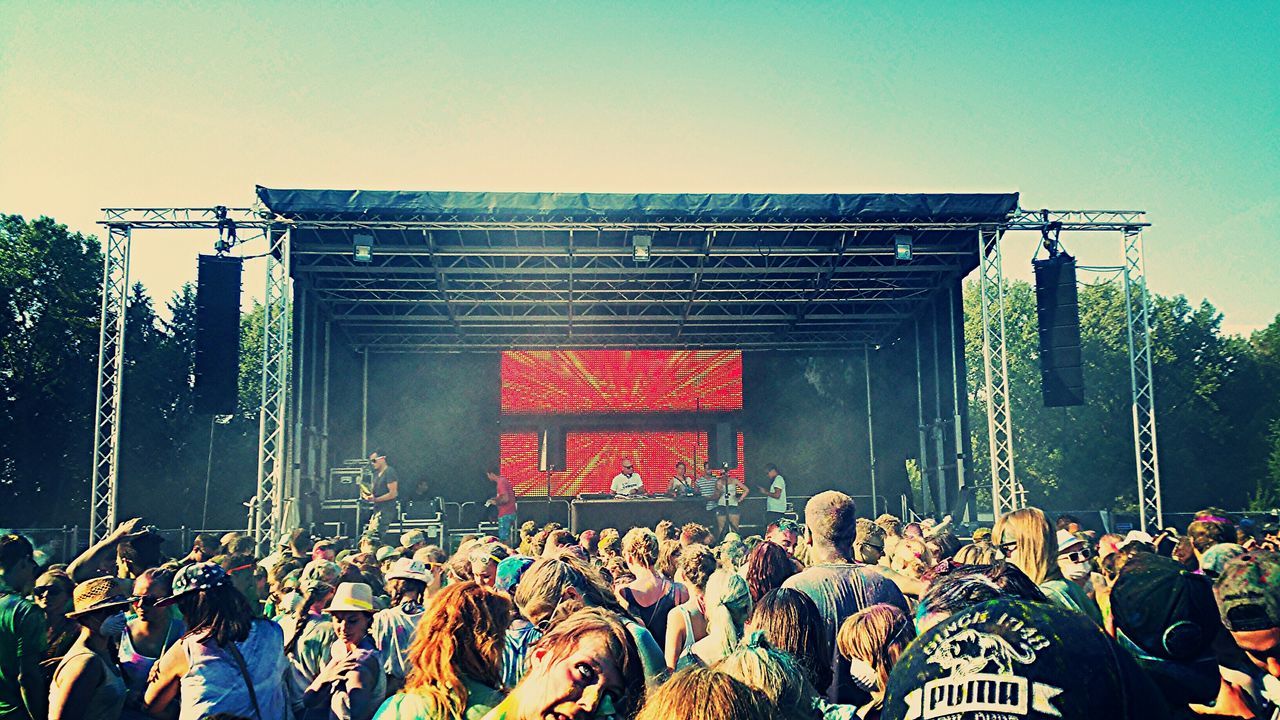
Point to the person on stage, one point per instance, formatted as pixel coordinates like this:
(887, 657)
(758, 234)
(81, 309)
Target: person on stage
(682, 484)
(505, 501)
(729, 495)
(775, 497)
(382, 493)
(627, 482)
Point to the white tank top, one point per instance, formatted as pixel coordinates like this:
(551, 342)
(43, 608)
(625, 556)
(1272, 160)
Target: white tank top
(214, 684)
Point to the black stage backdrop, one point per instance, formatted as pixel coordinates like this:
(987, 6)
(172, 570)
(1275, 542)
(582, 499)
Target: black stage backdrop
(436, 415)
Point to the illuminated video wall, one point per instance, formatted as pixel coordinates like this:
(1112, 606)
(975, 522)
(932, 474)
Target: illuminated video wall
(623, 382)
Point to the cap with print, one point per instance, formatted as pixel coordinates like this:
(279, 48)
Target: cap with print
(1015, 660)
(1248, 592)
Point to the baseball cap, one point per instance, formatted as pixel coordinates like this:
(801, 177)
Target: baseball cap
(982, 533)
(1217, 557)
(1014, 659)
(384, 552)
(413, 537)
(1248, 592)
(1168, 612)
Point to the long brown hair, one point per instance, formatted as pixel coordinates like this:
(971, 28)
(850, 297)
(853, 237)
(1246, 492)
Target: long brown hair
(460, 635)
(221, 614)
(792, 623)
(877, 635)
(1036, 554)
(540, 594)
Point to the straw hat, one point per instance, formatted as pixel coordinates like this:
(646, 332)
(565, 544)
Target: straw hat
(409, 569)
(352, 597)
(97, 595)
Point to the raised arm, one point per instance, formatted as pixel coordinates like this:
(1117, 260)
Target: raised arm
(87, 565)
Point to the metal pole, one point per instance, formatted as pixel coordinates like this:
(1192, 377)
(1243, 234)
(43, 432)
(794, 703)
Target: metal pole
(871, 437)
(364, 407)
(208, 475)
(298, 442)
(927, 496)
(957, 421)
(936, 431)
(324, 404)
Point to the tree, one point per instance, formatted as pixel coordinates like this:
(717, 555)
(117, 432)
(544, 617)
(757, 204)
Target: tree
(49, 305)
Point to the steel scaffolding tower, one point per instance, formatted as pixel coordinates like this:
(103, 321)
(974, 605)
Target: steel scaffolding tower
(106, 419)
(1141, 381)
(995, 367)
(273, 422)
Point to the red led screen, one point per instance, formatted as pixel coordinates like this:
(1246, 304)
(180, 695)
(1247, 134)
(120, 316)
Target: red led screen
(622, 381)
(593, 458)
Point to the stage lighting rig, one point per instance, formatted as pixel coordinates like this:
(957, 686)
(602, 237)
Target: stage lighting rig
(902, 248)
(363, 248)
(641, 248)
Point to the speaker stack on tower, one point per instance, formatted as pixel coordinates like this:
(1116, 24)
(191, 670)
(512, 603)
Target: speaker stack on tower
(217, 366)
(1058, 314)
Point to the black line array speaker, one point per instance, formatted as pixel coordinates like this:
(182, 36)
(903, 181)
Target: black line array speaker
(217, 335)
(1058, 313)
(722, 446)
(554, 450)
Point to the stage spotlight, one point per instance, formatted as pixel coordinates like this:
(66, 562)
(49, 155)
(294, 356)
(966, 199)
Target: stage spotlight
(641, 248)
(902, 247)
(363, 248)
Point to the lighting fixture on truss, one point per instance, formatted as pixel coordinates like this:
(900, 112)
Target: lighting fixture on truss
(363, 252)
(641, 248)
(902, 248)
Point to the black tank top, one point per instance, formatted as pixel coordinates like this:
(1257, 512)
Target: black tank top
(654, 617)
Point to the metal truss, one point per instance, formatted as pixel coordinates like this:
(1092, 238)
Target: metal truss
(107, 408)
(1142, 381)
(273, 470)
(995, 367)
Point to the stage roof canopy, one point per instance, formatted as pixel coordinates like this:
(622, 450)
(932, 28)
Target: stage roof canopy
(486, 271)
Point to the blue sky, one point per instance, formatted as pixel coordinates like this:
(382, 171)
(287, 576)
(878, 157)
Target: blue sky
(1171, 108)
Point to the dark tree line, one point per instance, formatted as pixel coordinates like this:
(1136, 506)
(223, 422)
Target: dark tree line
(1217, 397)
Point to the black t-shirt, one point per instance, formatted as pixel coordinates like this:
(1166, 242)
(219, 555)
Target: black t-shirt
(380, 487)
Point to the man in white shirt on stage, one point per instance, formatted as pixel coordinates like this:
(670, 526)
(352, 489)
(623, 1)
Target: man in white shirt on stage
(627, 482)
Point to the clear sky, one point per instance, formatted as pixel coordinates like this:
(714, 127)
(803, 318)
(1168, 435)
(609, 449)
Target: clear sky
(1170, 108)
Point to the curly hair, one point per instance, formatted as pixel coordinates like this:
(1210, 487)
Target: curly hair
(697, 563)
(640, 545)
(461, 634)
(695, 534)
(768, 566)
(669, 557)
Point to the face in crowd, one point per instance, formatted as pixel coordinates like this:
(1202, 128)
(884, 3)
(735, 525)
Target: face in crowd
(584, 683)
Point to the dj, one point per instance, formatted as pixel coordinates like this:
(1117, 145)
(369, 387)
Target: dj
(627, 482)
(682, 483)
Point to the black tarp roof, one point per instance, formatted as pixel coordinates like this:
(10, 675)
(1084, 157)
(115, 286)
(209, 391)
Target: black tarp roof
(639, 207)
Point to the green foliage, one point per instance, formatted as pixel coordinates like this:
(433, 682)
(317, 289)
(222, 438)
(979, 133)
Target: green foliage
(1212, 406)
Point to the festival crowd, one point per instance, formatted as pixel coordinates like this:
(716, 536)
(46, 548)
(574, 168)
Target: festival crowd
(834, 618)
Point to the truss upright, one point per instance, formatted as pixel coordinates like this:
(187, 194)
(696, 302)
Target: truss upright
(995, 365)
(1142, 383)
(268, 503)
(106, 417)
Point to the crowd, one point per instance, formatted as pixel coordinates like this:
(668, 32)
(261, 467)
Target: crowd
(837, 617)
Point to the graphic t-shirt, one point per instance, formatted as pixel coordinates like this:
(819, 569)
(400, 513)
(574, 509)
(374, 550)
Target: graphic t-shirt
(504, 488)
(778, 504)
(623, 485)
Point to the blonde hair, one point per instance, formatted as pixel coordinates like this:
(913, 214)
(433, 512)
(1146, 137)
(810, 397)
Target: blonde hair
(775, 674)
(640, 545)
(706, 694)
(877, 635)
(977, 553)
(1036, 554)
(911, 557)
(728, 602)
(461, 634)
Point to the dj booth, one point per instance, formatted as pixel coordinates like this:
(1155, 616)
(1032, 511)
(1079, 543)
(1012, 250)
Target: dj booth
(623, 513)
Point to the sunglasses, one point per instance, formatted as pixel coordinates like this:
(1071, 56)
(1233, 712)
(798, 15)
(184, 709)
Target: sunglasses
(146, 601)
(1079, 556)
(46, 590)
